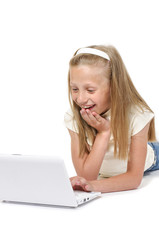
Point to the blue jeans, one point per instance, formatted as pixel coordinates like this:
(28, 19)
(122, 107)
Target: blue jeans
(155, 166)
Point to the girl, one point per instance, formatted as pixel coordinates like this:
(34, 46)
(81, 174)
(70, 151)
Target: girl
(109, 123)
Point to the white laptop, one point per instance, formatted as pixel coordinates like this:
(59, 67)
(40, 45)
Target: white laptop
(38, 180)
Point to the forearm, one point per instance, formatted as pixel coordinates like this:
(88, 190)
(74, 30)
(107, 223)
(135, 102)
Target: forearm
(122, 182)
(92, 163)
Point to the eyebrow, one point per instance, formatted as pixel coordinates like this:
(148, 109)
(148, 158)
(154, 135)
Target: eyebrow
(71, 83)
(85, 85)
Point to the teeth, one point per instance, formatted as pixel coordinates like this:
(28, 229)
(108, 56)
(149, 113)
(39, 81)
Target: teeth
(88, 107)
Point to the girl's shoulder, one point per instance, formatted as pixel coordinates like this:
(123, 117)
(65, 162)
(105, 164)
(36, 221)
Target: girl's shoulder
(136, 111)
(68, 115)
(139, 118)
(69, 121)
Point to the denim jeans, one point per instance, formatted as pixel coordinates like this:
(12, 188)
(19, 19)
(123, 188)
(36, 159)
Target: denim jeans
(155, 166)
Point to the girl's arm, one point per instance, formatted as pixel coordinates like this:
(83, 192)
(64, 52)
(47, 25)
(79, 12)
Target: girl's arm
(126, 181)
(89, 165)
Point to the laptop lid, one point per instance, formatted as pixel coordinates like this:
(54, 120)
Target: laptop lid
(35, 179)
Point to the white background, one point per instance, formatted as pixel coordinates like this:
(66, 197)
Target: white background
(37, 39)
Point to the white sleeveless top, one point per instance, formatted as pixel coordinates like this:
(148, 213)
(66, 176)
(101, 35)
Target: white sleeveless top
(112, 166)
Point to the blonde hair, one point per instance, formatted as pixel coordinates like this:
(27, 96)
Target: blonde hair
(123, 96)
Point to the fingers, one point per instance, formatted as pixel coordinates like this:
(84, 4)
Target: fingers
(87, 116)
(97, 116)
(90, 117)
(79, 183)
(95, 120)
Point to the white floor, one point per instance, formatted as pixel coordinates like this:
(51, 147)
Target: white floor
(125, 215)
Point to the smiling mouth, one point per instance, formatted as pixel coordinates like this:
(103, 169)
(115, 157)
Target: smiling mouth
(91, 107)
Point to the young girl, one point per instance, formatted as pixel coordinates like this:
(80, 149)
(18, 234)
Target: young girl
(109, 123)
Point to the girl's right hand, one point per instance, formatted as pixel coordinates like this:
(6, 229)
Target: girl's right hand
(81, 184)
(101, 124)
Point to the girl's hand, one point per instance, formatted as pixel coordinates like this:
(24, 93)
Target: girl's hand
(95, 120)
(79, 183)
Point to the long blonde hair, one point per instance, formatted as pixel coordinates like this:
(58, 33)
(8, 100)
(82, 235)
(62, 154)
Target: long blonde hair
(123, 96)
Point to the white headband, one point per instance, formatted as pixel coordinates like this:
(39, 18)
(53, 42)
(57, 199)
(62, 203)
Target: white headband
(94, 52)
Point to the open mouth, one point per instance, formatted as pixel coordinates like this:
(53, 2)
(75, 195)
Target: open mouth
(90, 108)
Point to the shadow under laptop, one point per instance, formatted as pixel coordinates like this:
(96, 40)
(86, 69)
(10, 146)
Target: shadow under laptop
(37, 205)
(49, 205)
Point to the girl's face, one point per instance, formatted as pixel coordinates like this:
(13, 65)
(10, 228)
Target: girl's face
(90, 88)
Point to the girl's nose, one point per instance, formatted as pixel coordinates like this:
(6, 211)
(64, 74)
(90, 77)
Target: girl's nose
(81, 99)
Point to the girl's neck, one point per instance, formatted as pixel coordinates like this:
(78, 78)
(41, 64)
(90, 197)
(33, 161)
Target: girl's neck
(106, 113)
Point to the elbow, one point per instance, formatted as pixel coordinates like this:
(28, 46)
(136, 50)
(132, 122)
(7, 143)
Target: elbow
(134, 178)
(135, 186)
(136, 182)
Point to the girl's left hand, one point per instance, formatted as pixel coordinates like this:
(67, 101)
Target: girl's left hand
(79, 183)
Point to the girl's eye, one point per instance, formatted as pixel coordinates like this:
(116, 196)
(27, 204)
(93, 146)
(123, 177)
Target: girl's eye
(90, 90)
(74, 89)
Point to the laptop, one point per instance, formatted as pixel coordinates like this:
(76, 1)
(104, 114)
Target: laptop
(38, 180)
